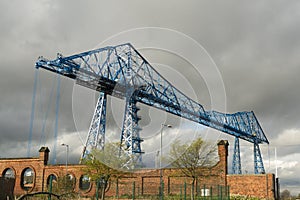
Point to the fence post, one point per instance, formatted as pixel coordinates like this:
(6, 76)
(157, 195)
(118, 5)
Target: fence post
(197, 190)
(221, 192)
(180, 191)
(117, 188)
(133, 190)
(204, 191)
(162, 190)
(184, 191)
(97, 189)
(228, 192)
(50, 187)
(196, 195)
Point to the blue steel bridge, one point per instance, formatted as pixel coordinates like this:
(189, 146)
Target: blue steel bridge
(121, 71)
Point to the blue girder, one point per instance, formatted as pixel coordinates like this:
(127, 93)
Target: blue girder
(115, 70)
(236, 161)
(96, 134)
(258, 162)
(130, 142)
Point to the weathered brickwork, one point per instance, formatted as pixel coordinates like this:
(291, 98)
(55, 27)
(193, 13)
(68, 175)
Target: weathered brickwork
(261, 185)
(146, 182)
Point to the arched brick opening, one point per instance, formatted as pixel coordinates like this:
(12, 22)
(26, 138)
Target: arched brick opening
(9, 173)
(85, 184)
(51, 179)
(71, 180)
(27, 179)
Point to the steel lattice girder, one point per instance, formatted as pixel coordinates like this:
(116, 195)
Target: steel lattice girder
(236, 161)
(96, 134)
(130, 136)
(258, 162)
(113, 69)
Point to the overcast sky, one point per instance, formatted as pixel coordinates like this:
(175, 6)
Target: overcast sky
(254, 45)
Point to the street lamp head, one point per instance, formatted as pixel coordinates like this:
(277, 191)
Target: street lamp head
(67, 156)
(167, 125)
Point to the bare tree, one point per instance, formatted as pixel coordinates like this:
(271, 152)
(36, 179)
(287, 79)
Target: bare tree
(189, 158)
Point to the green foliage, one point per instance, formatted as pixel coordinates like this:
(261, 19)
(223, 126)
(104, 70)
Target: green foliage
(64, 186)
(107, 165)
(189, 158)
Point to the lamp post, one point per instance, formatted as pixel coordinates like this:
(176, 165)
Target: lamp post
(67, 156)
(160, 159)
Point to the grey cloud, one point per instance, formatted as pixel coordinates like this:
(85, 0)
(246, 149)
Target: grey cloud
(254, 44)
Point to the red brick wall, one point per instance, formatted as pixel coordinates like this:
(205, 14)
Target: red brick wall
(18, 166)
(146, 181)
(76, 171)
(261, 185)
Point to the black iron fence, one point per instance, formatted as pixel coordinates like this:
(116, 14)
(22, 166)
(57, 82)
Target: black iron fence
(175, 191)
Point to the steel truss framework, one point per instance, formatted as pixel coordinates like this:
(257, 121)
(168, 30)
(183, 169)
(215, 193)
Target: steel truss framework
(121, 71)
(130, 137)
(96, 134)
(236, 162)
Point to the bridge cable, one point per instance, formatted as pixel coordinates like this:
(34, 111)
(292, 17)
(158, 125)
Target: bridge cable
(56, 119)
(43, 135)
(32, 113)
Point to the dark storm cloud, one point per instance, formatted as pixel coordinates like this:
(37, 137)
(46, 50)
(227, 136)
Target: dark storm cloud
(254, 44)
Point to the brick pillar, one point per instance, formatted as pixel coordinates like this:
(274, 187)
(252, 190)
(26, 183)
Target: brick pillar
(44, 154)
(223, 153)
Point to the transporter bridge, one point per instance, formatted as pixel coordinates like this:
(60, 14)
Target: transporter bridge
(121, 71)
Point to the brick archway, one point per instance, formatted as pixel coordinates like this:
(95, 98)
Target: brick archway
(28, 178)
(9, 172)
